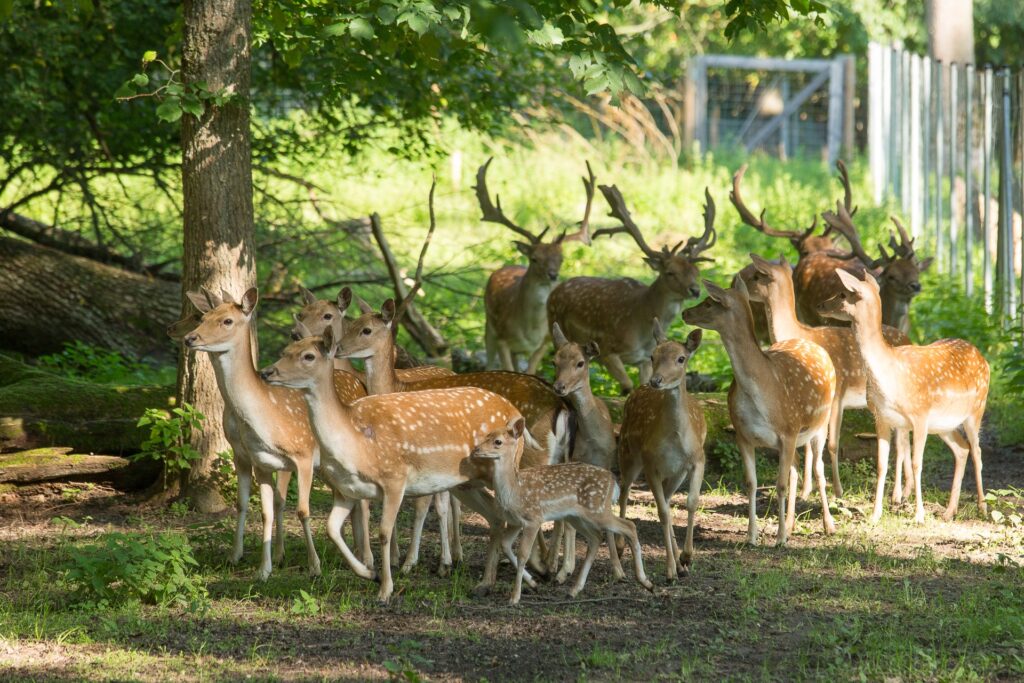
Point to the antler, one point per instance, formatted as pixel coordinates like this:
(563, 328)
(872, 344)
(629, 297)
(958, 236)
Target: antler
(695, 245)
(418, 278)
(841, 222)
(844, 177)
(747, 216)
(492, 212)
(583, 234)
(903, 249)
(618, 210)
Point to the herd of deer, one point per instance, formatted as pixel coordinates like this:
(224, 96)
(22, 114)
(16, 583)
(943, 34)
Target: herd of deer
(522, 452)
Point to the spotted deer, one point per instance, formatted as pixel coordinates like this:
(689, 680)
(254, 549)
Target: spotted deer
(780, 398)
(662, 435)
(772, 285)
(266, 425)
(577, 493)
(516, 296)
(316, 314)
(939, 389)
(617, 313)
(594, 440)
(384, 448)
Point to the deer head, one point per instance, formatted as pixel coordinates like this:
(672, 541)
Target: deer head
(722, 308)
(670, 358)
(678, 264)
(501, 442)
(223, 321)
(316, 314)
(857, 297)
(762, 277)
(370, 332)
(545, 258)
(303, 362)
(572, 362)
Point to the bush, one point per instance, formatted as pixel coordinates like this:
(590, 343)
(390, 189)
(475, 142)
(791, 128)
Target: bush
(157, 570)
(170, 437)
(103, 366)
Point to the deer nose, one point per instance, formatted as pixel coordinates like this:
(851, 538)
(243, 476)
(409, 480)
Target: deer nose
(915, 287)
(656, 381)
(267, 373)
(296, 336)
(695, 291)
(560, 388)
(553, 274)
(191, 339)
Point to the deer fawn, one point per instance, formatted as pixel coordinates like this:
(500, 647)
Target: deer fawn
(772, 285)
(662, 435)
(617, 313)
(934, 389)
(780, 398)
(386, 447)
(516, 297)
(316, 314)
(578, 493)
(266, 426)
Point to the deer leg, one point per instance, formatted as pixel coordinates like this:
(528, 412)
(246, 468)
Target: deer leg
(456, 526)
(491, 345)
(537, 356)
(670, 488)
(646, 370)
(973, 428)
(665, 515)
(551, 561)
(280, 493)
(305, 482)
(569, 559)
(883, 432)
(692, 500)
(525, 547)
(628, 469)
(794, 477)
(805, 488)
(421, 505)
(614, 556)
(787, 458)
(750, 474)
(626, 528)
(360, 520)
(505, 354)
(617, 370)
(267, 503)
(442, 502)
(819, 472)
(391, 500)
(903, 444)
(483, 504)
(243, 471)
(835, 426)
(593, 545)
(960, 447)
(920, 436)
(341, 509)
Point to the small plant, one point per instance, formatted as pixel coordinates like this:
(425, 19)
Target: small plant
(305, 604)
(84, 361)
(155, 570)
(170, 437)
(1004, 506)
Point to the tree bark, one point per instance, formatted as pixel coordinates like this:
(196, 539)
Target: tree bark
(219, 242)
(950, 26)
(48, 297)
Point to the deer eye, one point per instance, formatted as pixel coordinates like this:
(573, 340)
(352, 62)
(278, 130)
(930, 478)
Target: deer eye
(579, 364)
(681, 360)
(309, 357)
(328, 316)
(228, 321)
(366, 330)
(497, 442)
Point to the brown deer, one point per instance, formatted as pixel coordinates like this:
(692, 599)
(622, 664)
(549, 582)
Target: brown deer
(936, 389)
(516, 296)
(415, 443)
(266, 426)
(780, 398)
(617, 313)
(772, 285)
(594, 439)
(577, 493)
(662, 435)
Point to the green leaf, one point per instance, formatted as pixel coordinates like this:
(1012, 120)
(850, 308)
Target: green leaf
(335, 30)
(547, 36)
(126, 90)
(361, 29)
(141, 80)
(387, 14)
(169, 110)
(192, 105)
(417, 22)
(148, 56)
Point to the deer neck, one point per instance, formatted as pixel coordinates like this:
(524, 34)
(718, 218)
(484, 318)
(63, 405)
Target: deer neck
(880, 361)
(380, 370)
(751, 368)
(780, 309)
(659, 300)
(243, 391)
(895, 311)
(508, 491)
(331, 419)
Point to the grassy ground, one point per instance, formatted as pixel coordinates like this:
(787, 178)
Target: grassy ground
(892, 602)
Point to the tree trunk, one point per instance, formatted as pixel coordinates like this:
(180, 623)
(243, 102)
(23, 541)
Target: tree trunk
(219, 243)
(950, 26)
(48, 297)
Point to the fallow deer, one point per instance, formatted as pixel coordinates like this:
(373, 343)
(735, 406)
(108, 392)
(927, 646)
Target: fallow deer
(386, 447)
(935, 389)
(515, 299)
(780, 398)
(266, 426)
(577, 493)
(594, 440)
(662, 435)
(617, 313)
(772, 285)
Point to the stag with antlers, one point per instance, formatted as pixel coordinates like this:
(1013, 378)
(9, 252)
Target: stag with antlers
(617, 313)
(516, 296)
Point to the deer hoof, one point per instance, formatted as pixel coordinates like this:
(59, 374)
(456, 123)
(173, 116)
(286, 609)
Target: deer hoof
(481, 590)
(444, 570)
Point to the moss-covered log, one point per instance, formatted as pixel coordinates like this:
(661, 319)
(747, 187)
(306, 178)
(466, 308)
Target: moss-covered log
(38, 408)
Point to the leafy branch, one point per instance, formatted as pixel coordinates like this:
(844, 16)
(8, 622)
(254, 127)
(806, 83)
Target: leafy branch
(174, 95)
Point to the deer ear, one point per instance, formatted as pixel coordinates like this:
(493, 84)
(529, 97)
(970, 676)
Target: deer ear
(784, 262)
(849, 280)
(656, 264)
(301, 329)
(659, 332)
(249, 300)
(761, 265)
(214, 300)
(200, 301)
(693, 340)
(741, 288)
(516, 427)
(591, 350)
(923, 265)
(363, 306)
(308, 297)
(344, 299)
(329, 342)
(226, 297)
(387, 312)
(558, 337)
(717, 293)
(524, 248)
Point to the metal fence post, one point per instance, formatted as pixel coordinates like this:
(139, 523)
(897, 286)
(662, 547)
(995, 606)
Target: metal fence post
(835, 109)
(926, 142)
(914, 144)
(986, 168)
(940, 151)
(954, 92)
(968, 180)
(876, 103)
(1005, 251)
